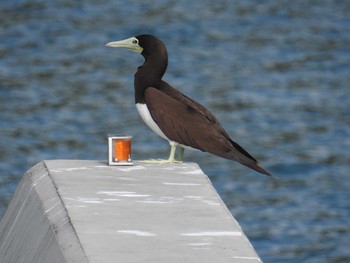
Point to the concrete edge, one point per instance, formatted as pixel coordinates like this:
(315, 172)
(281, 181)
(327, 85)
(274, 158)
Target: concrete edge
(59, 218)
(38, 216)
(229, 213)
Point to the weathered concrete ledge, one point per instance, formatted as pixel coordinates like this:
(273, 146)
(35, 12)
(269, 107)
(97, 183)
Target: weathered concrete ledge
(86, 211)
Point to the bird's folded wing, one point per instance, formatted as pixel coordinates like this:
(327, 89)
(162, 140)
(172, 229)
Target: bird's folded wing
(182, 123)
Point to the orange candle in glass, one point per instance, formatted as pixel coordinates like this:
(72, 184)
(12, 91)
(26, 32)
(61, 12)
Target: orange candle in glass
(122, 149)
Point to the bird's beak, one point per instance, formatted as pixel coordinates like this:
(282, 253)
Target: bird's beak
(130, 43)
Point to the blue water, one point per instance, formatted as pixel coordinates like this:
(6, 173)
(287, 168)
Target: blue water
(275, 73)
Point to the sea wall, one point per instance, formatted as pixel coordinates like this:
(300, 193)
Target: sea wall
(87, 211)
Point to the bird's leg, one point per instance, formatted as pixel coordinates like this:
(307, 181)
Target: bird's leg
(171, 158)
(181, 154)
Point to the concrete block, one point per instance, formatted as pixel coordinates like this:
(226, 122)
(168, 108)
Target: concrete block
(87, 211)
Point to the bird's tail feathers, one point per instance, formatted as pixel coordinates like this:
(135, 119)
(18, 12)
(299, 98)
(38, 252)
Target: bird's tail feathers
(246, 159)
(258, 168)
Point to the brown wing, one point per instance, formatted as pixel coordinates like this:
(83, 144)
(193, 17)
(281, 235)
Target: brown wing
(193, 126)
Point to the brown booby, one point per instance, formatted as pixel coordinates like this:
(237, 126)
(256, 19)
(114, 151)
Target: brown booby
(174, 116)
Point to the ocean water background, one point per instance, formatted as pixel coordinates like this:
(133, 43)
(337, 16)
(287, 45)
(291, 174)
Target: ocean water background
(275, 73)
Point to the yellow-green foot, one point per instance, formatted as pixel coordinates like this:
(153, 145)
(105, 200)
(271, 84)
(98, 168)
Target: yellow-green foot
(160, 161)
(171, 158)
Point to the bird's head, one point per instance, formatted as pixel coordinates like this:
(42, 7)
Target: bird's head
(147, 45)
(130, 43)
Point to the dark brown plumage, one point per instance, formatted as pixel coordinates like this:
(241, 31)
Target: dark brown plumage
(180, 119)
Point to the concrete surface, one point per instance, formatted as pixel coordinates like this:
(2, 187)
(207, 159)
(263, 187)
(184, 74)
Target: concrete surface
(86, 211)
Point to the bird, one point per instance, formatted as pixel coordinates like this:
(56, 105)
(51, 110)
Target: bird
(174, 116)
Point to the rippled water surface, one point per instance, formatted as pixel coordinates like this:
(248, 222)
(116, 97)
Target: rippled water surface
(275, 73)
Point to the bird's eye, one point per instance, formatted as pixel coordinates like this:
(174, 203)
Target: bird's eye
(135, 42)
